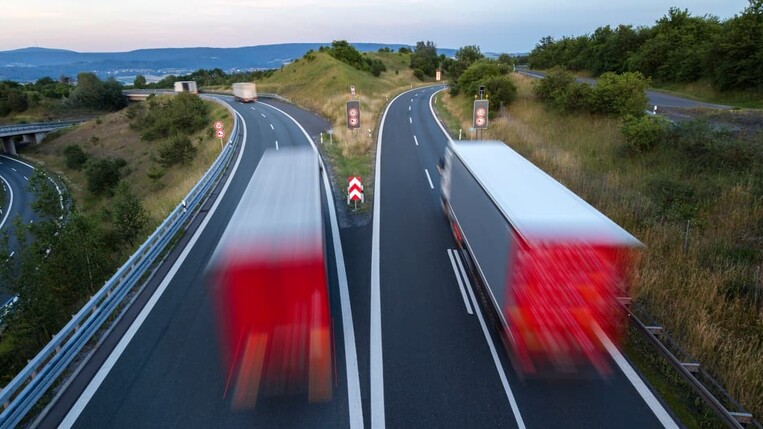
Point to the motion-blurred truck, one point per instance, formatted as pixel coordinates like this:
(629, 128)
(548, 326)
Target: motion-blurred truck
(245, 92)
(186, 86)
(554, 269)
(268, 279)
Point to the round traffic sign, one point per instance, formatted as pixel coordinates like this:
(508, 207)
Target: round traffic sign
(354, 121)
(481, 111)
(220, 134)
(480, 121)
(218, 125)
(353, 112)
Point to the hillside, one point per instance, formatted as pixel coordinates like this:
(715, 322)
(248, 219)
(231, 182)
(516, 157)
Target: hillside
(322, 83)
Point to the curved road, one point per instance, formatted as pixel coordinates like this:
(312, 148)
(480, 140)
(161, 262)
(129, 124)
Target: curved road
(14, 178)
(160, 365)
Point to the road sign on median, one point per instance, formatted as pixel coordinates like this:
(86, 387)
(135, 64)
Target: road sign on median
(218, 125)
(480, 114)
(355, 189)
(353, 114)
(220, 134)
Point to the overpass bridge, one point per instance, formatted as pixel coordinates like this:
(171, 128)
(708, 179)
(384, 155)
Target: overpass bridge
(30, 133)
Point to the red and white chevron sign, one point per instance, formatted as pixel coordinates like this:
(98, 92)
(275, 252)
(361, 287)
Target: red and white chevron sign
(355, 189)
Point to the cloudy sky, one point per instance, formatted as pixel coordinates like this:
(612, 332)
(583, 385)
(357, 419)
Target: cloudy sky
(494, 25)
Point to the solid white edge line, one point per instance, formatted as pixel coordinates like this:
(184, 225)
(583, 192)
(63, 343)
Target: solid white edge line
(415, 140)
(429, 178)
(350, 350)
(651, 401)
(10, 203)
(460, 283)
(497, 361)
(103, 372)
(377, 364)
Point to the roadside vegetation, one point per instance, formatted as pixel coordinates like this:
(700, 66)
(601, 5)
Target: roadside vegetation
(124, 172)
(711, 59)
(659, 181)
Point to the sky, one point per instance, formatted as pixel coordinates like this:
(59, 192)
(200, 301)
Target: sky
(494, 25)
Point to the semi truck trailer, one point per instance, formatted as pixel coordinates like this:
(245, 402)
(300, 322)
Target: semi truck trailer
(269, 282)
(245, 92)
(554, 269)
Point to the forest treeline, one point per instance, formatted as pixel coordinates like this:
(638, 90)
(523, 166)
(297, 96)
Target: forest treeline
(679, 48)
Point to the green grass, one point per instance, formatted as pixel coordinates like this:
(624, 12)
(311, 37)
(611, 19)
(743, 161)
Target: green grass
(703, 91)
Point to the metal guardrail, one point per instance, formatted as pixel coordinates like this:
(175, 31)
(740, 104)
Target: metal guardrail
(14, 130)
(23, 392)
(730, 419)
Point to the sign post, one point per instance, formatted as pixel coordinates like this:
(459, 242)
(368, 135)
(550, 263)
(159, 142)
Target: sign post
(353, 114)
(355, 190)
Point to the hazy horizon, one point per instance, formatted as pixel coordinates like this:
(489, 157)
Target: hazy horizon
(95, 26)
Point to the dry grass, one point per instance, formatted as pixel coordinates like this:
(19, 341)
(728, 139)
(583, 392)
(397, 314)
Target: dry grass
(323, 85)
(111, 136)
(688, 293)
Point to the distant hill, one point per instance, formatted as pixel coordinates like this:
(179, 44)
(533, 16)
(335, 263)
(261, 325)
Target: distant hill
(29, 64)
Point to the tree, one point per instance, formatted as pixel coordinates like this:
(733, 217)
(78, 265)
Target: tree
(103, 174)
(179, 150)
(465, 57)
(92, 93)
(425, 58)
(620, 95)
(478, 74)
(736, 60)
(501, 91)
(140, 81)
(75, 157)
(129, 216)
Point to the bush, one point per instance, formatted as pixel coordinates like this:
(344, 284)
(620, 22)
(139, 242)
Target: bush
(103, 174)
(644, 133)
(675, 201)
(75, 157)
(179, 150)
(556, 81)
(478, 74)
(419, 74)
(620, 95)
(182, 114)
(501, 91)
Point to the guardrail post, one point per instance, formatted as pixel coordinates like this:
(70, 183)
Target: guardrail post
(691, 366)
(655, 330)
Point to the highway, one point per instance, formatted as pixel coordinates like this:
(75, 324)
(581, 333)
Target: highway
(433, 364)
(14, 175)
(160, 365)
(414, 346)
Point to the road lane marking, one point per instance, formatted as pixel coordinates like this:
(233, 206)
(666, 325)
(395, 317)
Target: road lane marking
(263, 115)
(103, 372)
(429, 178)
(491, 346)
(377, 363)
(465, 276)
(276, 144)
(497, 361)
(253, 109)
(350, 350)
(12, 168)
(415, 140)
(10, 203)
(409, 108)
(460, 283)
(410, 119)
(26, 178)
(651, 401)
(271, 127)
(411, 100)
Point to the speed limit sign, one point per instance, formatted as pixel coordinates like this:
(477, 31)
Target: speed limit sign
(218, 125)
(220, 134)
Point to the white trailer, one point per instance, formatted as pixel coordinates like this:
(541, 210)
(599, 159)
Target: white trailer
(245, 92)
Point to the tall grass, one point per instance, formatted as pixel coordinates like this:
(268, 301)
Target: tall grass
(704, 296)
(322, 84)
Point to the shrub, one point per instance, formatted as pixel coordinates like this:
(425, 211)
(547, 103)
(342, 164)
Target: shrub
(75, 157)
(478, 74)
(103, 174)
(501, 91)
(643, 133)
(675, 201)
(178, 150)
(556, 81)
(419, 74)
(182, 114)
(620, 95)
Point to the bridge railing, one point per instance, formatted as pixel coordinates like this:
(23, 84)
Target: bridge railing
(37, 127)
(23, 392)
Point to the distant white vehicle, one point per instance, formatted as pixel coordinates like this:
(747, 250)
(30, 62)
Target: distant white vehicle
(245, 92)
(186, 86)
